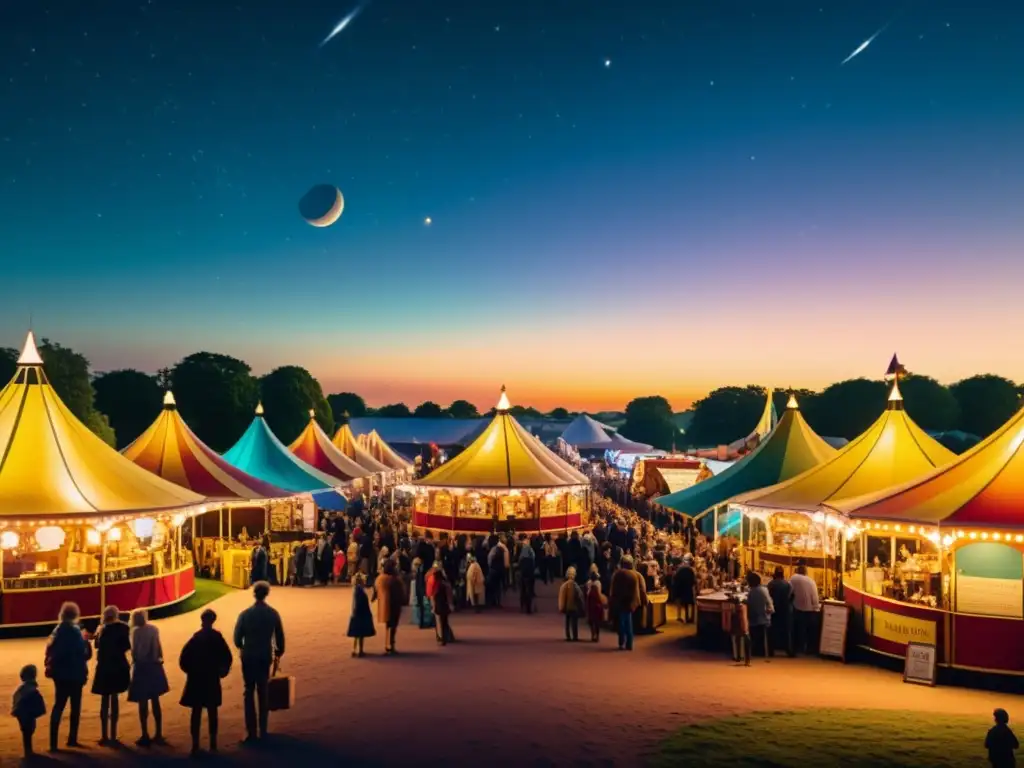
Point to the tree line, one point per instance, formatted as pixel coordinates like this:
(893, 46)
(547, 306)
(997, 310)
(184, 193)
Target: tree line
(217, 395)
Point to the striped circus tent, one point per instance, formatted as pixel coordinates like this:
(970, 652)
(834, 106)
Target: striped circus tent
(374, 445)
(347, 443)
(315, 448)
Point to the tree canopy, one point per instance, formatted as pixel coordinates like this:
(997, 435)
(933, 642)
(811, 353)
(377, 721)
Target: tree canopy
(846, 408)
(463, 409)
(394, 411)
(558, 413)
(986, 403)
(725, 415)
(216, 396)
(649, 420)
(930, 404)
(345, 405)
(131, 401)
(429, 410)
(288, 394)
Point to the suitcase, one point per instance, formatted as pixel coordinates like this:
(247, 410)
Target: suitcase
(280, 691)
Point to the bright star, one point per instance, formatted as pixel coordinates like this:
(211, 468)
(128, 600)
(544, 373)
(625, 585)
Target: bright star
(428, 221)
(342, 24)
(607, 63)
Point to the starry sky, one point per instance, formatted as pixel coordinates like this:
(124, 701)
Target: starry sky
(624, 199)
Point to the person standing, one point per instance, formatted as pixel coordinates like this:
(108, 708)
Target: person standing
(27, 706)
(149, 681)
(572, 603)
(205, 660)
(113, 673)
(390, 595)
(625, 596)
(684, 588)
(67, 655)
(360, 623)
(475, 584)
(595, 607)
(782, 599)
(259, 636)
(759, 614)
(527, 575)
(1001, 742)
(443, 604)
(259, 569)
(805, 609)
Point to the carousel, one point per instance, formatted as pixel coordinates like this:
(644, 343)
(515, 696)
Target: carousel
(940, 560)
(240, 508)
(506, 479)
(78, 521)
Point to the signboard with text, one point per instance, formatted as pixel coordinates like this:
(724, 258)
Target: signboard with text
(835, 619)
(919, 664)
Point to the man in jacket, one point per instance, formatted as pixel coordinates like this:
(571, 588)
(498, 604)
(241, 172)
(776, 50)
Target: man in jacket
(627, 593)
(259, 636)
(782, 598)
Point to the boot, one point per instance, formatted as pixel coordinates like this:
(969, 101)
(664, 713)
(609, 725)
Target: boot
(104, 732)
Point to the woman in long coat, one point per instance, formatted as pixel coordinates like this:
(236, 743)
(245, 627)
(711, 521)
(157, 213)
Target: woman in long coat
(205, 660)
(360, 623)
(113, 673)
(476, 585)
(149, 681)
(390, 595)
(443, 600)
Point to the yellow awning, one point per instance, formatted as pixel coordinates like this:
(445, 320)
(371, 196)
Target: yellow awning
(53, 466)
(891, 451)
(505, 455)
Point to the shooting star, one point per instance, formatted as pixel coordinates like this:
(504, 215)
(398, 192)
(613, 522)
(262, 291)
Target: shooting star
(863, 46)
(342, 24)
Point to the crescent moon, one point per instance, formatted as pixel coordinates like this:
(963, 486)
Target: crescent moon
(333, 214)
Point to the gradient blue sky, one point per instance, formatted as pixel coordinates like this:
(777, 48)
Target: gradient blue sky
(723, 203)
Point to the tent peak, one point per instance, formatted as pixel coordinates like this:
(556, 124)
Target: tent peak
(30, 353)
(792, 404)
(895, 369)
(169, 401)
(895, 397)
(312, 413)
(503, 403)
(259, 408)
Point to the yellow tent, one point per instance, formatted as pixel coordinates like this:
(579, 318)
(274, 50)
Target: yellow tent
(346, 442)
(374, 444)
(52, 467)
(891, 451)
(504, 456)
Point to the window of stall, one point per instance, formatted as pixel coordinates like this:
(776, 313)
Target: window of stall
(878, 564)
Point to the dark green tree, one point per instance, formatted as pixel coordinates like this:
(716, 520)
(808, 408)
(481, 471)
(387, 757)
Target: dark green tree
(68, 372)
(394, 411)
(463, 409)
(216, 396)
(288, 393)
(846, 408)
(929, 403)
(429, 410)
(130, 399)
(649, 420)
(8, 365)
(986, 403)
(559, 413)
(525, 412)
(725, 415)
(346, 403)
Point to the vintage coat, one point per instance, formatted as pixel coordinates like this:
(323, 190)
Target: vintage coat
(570, 599)
(390, 594)
(205, 660)
(149, 681)
(476, 587)
(627, 592)
(113, 673)
(360, 623)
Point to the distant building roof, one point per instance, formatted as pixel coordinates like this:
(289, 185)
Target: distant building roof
(420, 431)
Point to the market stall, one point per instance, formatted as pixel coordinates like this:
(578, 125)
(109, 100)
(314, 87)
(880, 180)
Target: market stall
(78, 521)
(505, 479)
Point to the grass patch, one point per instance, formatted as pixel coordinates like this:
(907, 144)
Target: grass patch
(851, 738)
(207, 590)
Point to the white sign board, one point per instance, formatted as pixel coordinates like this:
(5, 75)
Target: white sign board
(308, 517)
(990, 597)
(919, 666)
(835, 618)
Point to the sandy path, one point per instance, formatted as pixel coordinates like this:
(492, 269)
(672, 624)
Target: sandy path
(511, 692)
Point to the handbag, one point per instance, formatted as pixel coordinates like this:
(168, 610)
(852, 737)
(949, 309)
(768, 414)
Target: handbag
(280, 689)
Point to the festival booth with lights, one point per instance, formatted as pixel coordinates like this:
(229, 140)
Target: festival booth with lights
(795, 520)
(240, 508)
(375, 445)
(79, 521)
(505, 479)
(315, 448)
(788, 450)
(940, 560)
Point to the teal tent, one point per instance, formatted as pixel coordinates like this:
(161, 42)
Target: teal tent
(790, 448)
(259, 453)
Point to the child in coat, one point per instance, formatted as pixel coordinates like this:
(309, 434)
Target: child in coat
(28, 706)
(339, 564)
(595, 607)
(1000, 741)
(360, 625)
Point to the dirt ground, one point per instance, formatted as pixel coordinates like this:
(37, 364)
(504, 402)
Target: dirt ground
(510, 692)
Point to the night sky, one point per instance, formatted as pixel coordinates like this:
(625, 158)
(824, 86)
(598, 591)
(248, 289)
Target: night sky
(625, 198)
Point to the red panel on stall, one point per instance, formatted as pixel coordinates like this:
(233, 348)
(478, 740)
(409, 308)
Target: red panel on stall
(988, 642)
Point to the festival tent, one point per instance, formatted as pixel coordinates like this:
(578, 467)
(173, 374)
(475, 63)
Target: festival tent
(790, 449)
(562, 466)
(982, 487)
(170, 449)
(622, 444)
(585, 434)
(315, 448)
(52, 467)
(504, 456)
(346, 442)
(258, 452)
(891, 451)
(382, 452)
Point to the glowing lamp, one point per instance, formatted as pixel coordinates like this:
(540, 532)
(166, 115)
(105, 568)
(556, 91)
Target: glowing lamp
(103, 526)
(947, 540)
(9, 540)
(177, 520)
(972, 535)
(996, 537)
(1018, 538)
(143, 527)
(984, 535)
(114, 534)
(92, 537)
(50, 538)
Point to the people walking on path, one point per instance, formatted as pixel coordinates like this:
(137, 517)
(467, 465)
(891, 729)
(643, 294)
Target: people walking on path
(626, 594)
(360, 623)
(113, 672)
(571, 603)
(206, 660)
(149, 680)
(259, 635)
